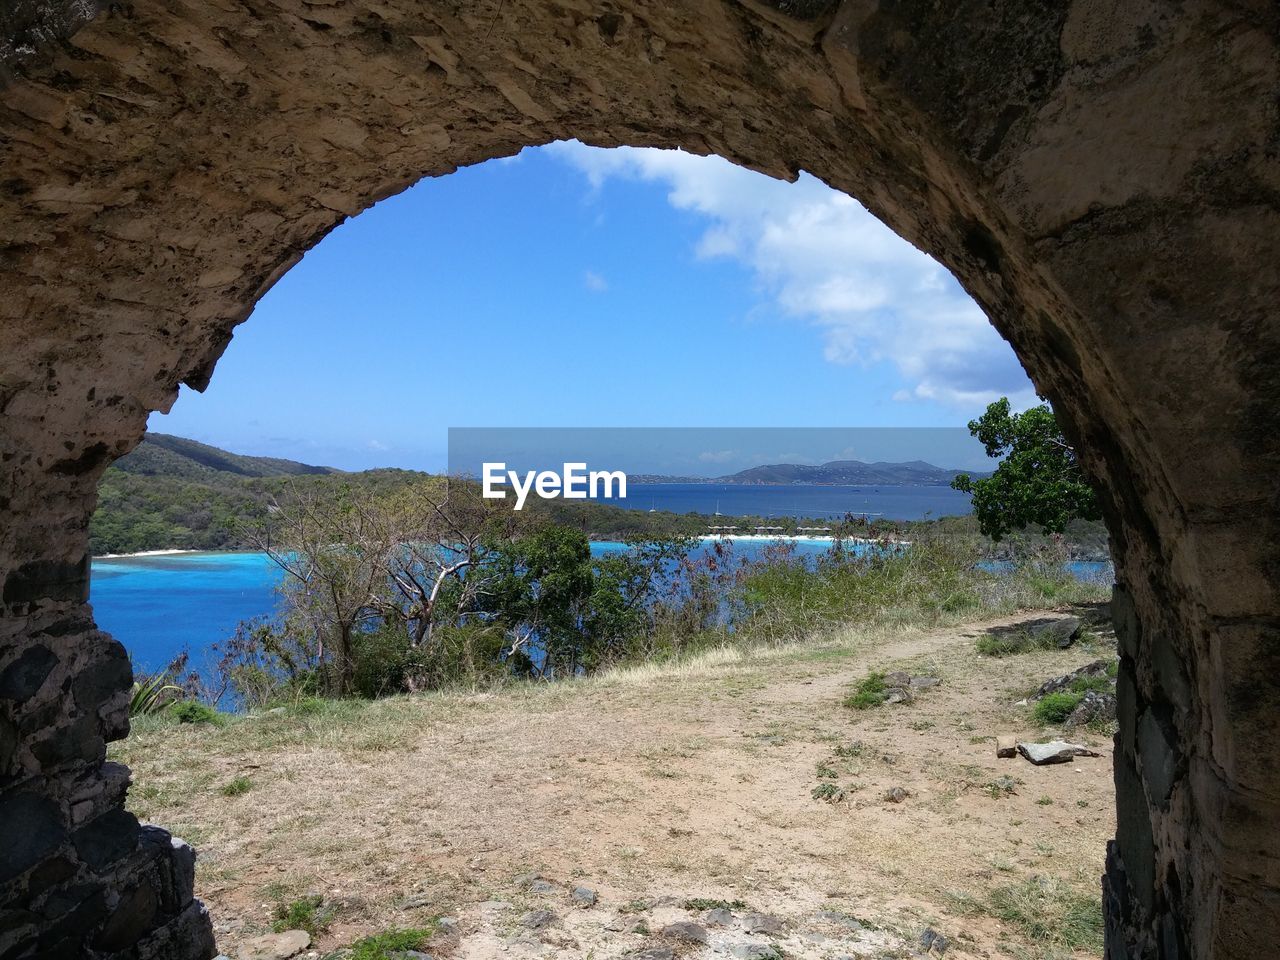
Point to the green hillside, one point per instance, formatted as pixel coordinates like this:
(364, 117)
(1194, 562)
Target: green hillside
(173, 493)
(160, 454)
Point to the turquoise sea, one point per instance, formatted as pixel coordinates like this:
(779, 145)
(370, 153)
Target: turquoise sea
(158, 606)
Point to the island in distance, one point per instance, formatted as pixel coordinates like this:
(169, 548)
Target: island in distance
(833, 473)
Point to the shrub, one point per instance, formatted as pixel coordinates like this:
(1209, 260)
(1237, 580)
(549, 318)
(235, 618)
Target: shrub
(151, 695)
(189, 711)
(237, 786)
(1001, 787)
(390, 945)
(1056, 707)
(870, 692)
(306, 913)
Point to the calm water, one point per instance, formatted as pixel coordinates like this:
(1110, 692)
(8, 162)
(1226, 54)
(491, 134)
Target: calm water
(159, 606)
(797, 500)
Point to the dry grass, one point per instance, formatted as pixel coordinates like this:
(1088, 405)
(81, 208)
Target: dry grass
(691, 780)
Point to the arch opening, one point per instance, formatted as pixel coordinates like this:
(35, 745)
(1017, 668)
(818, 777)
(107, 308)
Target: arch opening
(163, 167)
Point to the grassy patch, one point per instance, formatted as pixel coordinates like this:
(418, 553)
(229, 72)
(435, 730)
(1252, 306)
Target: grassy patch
(1056, 707)
(390, 945)
(306, 913)
(237, 786)
(697, 904)
(1085, 683)
(1012, 642)
(870, 692)
(1044, 910)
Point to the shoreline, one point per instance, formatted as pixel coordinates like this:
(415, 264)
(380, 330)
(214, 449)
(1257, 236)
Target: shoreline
(771, 538)
(146, 553)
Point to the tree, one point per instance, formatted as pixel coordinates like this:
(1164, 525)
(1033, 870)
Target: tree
(334, 548)
(1038, 480)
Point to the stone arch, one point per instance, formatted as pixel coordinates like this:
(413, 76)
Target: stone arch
(1102, 176)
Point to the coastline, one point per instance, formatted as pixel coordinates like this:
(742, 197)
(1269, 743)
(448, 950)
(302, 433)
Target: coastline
(771, 538)
(144, 553)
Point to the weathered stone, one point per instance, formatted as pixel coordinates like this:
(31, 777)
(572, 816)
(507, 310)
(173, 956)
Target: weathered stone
(684, 931)
(107, 839)
(24, 676)
(898, 695)
(1092, 706)
(760, 923)
(584, 896)
(132, 918)
(755, 951)
(537, 919)
(718, 917)
(895, 795)
(652, 953)
(275, 946)
(924, 683)
(539, 885)
(1055, 751)
(30, 830)
(1098, 668)
(1006, 747)
(1061, 633)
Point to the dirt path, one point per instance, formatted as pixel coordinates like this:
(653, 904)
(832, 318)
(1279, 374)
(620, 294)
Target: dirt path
(659, 791)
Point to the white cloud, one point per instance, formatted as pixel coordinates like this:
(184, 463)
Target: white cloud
(595, 282)
(717, 456)
(821, 258)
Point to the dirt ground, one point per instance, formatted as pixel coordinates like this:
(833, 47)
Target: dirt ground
(661, 790)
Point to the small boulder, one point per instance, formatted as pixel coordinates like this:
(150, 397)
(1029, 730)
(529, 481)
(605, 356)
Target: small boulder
(1061, 633)
(898, 695)
(761, 923)
(895, 795)
(718, 917)
(651, 953)
(685, 931)
(1096, 669)
(1055, 751)
(275, 946)
(924, 683)
(540, 886)
(1093, 706)
(898, 678)
(537, 919)
(755, 951)
(584, 896)
(1006, 747)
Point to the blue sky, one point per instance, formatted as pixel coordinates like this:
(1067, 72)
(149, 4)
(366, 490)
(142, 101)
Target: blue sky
(571, 286)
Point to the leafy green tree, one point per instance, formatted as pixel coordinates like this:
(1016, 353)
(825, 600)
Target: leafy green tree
(1038, 481)
(540, 586)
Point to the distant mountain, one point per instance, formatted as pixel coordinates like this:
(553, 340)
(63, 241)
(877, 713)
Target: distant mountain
(852, 473)
(162, 455)
(848, 473)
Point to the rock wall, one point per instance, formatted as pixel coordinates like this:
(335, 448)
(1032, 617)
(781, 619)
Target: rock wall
(1102, 175)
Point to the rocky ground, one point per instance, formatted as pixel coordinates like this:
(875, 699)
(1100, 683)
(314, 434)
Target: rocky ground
(732, 807)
